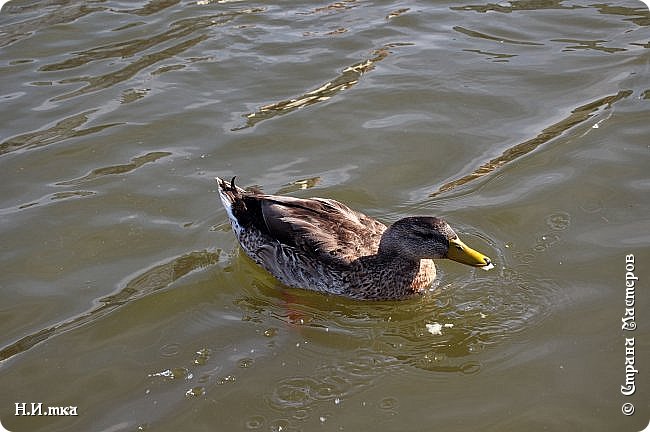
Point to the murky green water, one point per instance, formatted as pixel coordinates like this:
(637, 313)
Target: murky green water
(124, 294)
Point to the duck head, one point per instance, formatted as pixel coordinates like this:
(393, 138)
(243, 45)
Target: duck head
(423, 237)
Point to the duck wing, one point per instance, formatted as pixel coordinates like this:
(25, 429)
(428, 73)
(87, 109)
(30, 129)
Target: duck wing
(323, 228)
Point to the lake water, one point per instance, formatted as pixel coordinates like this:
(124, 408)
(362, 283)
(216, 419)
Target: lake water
(525, 124)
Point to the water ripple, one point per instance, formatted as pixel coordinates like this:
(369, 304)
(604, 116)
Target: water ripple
(110, 79)
(330, 383)
(152, 7)
(129, 48)
(495, 57)
(63, 13)
(64, 129)
(348, 78)
(156, 278)
(383, 338)
(595, 45)
(516, 5)
(476, 34)
(577, 116)
(135, 163)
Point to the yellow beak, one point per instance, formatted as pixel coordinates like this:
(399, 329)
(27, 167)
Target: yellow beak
(459, 251)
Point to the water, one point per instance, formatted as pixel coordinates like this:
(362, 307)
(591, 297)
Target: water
(524, 124)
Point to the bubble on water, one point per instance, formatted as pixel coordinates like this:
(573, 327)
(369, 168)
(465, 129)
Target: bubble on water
(255, 422)
(546, 241)
(270, 332)
(195, 391)
(293, 393)
(202, 356)
(226, 379)
(282, 425)
(558, 221)
(173, 374)
(388, 404)
(245, 363)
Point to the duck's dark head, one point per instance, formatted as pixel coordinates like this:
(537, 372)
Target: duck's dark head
(423, 237)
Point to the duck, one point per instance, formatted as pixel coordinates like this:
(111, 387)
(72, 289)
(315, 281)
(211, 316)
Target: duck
(322, 245)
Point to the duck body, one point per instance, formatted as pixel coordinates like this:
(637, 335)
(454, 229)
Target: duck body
(323, 245)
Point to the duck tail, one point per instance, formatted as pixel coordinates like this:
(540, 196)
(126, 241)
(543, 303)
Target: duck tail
(229, 194)
(229, 188)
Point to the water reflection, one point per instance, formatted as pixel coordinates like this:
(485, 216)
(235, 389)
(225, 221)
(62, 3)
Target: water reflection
(297, 185)
(180, 30)
(333, 7)
(110, 79)
(639, 15)
(577, 116)
(586, 45)
(47, 16)
(61, 131)
(349, 77)
(495, 57)
(131, 47)
(477, 34)
(150, 281)
(95, 174)
(135, 163)
(152, 7)
(515, 5)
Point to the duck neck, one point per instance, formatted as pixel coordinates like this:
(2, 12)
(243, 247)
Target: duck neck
(394, 246)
